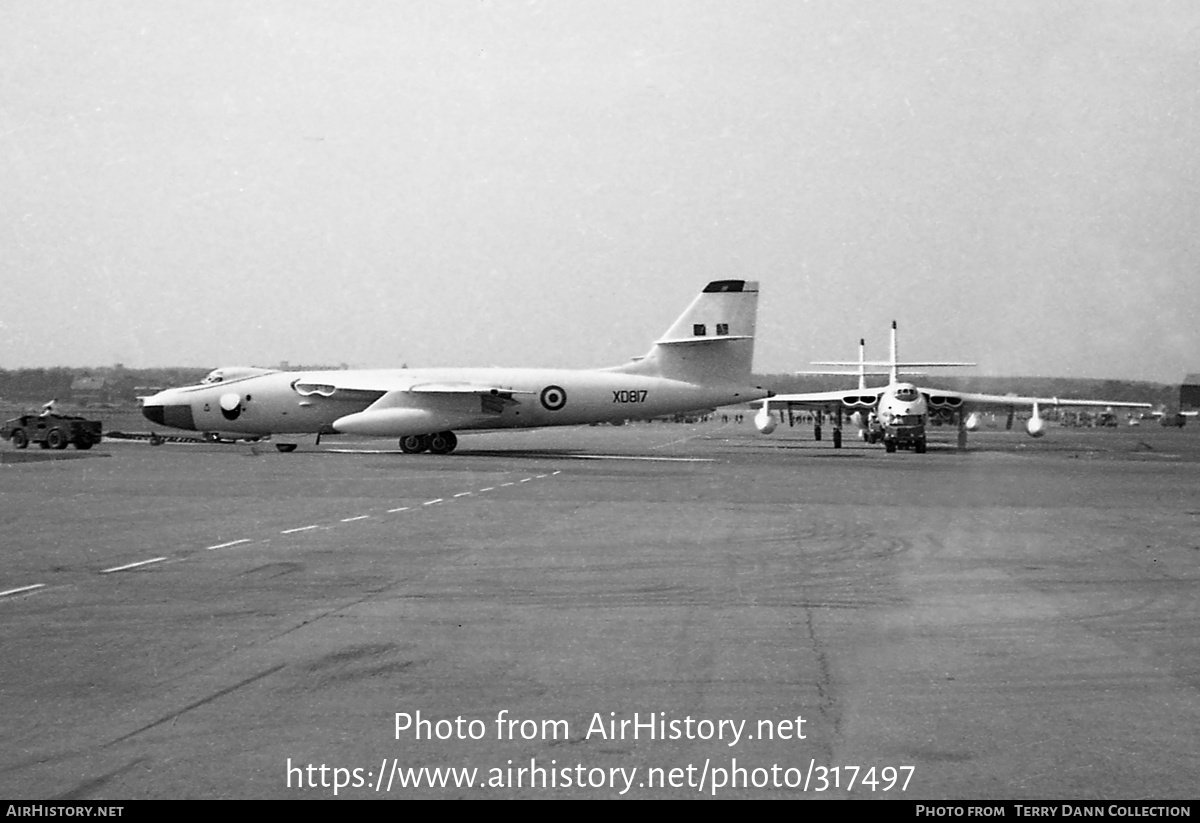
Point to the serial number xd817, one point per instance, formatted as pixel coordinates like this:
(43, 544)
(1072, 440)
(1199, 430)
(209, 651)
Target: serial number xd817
(634, 396)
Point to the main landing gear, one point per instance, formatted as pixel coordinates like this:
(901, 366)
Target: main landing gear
(439, 443)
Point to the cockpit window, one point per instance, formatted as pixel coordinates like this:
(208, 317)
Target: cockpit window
(907, 394)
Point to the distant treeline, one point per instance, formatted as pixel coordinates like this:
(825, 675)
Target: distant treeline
(105, 385)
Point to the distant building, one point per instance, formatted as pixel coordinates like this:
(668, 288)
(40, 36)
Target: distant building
(1189, 393)
(88, 390)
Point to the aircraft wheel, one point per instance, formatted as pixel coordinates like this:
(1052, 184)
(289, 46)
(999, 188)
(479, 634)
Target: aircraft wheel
(837, 438)
(57, 439)
(414, 443)
(442, 442)
(919, 447)
(889, 446)
(285, 447)
(816, 432)
(20, 439)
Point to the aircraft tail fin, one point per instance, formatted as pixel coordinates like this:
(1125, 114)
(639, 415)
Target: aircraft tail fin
(896, 368)
(899, 367)
(712, 342)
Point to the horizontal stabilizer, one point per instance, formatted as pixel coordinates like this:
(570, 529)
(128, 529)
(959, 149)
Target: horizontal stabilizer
(685, 341)
(890, 364)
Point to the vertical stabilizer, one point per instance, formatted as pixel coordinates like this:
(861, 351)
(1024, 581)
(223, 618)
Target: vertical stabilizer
(895, 365)
(712, 342)
(862, 364)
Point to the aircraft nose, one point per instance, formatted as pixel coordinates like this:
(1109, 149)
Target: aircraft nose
(175, 415)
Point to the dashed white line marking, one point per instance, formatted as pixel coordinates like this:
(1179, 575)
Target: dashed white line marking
(230, 543)
(133, 565)
(641, 457)
(23, 589)
(239, 542)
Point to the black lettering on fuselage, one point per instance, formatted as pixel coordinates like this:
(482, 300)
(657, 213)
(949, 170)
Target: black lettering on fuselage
(634, 396)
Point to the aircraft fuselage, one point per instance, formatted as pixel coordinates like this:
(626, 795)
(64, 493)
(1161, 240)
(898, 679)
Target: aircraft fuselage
(368, 402)
(899, 418)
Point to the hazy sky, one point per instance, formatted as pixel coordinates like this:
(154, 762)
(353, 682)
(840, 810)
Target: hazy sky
(550, 183)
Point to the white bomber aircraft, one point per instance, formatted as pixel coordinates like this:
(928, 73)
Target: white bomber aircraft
(896, 414)
(702, 361)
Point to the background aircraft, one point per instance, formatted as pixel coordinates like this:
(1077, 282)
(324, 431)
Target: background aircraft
(897, 414)
(702, 361)
(1169, 417)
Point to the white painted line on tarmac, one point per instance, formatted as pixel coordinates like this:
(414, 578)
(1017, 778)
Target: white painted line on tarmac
(540, 476)
(230, 543)
(133, 565)
(462, 494)
(300, 529)
(352, 519)
(488, 489)
(506, 484)
(34, 587)
(401, 509)
(526, 479)
(431, 502)
(642, 457)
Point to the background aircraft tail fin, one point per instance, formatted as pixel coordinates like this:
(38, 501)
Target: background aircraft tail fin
(712, 342)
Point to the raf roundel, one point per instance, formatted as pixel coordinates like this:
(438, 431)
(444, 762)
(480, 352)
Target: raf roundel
(554, 398)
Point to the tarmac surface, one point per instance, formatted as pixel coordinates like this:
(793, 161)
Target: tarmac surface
(1017, 621)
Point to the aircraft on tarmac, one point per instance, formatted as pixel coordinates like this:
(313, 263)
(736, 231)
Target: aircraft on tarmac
(896, 414)
(1168, 417)
(702, 361)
